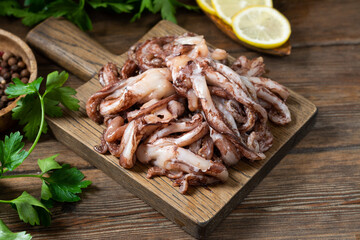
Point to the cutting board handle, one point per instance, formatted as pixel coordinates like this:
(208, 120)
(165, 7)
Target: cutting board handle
(70, 47)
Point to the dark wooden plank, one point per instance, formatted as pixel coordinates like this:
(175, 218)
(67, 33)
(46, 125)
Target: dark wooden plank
(318, 211)
(311, 202)
(317, 69)
(106, 211)
(71, 48)
(327, 22)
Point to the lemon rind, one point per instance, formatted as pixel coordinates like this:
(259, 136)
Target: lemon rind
(205, 8)
(225, 19)
(259, 44)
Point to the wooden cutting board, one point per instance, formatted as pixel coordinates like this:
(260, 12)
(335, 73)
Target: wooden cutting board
(197, 212)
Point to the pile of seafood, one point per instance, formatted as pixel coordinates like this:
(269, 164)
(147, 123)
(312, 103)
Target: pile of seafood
(176, 105)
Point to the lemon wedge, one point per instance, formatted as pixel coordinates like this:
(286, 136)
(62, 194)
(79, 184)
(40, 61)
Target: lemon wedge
(226, 9)
(262, 27)
(206, 6)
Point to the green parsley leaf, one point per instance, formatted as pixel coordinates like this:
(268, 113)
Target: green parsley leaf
(19, 88)
(45, 191)
(71, 10)
(30, 18)
(5, 233)
(55, 80)
(121, 7)
(97, 4)
(65, 183)
(11, 153)
(28, 108)
(51, 108)
(145, 4)
(48, 203)
(8, 6)
(166, 8)
(74, 10)
(48, 164)
(64, 95)
(79, 16)
(31, 210)
(61, 6)
(34, 5)
(117, 6)
(28, 112)
(44, 215)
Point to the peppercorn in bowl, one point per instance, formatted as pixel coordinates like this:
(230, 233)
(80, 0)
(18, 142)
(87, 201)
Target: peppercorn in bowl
(16, 61)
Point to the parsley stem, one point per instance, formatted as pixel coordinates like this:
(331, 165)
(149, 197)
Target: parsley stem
(21, 175)
(4, 201)
(3, 170)
(41, 123)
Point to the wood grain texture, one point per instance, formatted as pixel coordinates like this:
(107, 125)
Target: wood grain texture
(70, 47)
(199, 211)
(313, 193)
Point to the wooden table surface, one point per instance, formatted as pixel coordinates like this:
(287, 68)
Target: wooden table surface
(314, 192)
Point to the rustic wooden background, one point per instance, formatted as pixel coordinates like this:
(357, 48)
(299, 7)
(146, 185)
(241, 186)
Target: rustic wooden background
(313, 193)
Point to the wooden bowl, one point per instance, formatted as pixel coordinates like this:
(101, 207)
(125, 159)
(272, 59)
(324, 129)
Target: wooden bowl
(11, 43)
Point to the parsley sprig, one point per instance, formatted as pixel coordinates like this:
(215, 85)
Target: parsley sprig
(59, 183)
(55, 93)
(34, 11)
(5, 233)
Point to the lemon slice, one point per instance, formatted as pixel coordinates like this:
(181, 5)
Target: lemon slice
(206, 6)
(262, 27)
(226, 9)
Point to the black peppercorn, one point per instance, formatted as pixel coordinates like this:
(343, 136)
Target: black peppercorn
(25, 73)
(15, 75)
(6, 56)
(14, 68)
(3, 98)
(21, 64)
(25, 80)
(3, 64)
(6, 75)
(3, 71)
(12, 61)
(11, 67)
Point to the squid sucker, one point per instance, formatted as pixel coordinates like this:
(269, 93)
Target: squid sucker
(177, 106)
